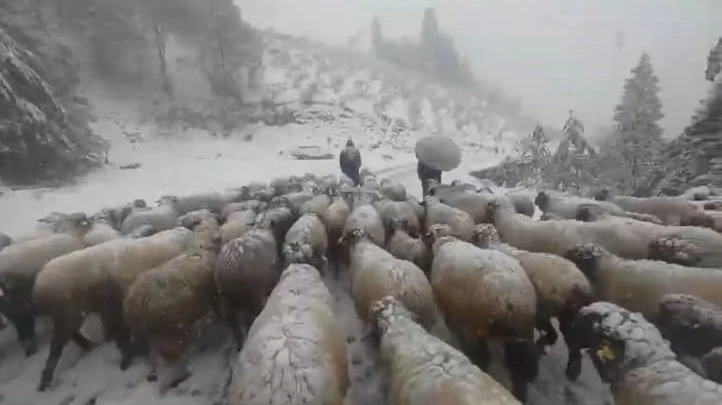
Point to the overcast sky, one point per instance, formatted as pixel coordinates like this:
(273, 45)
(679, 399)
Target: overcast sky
(553, 54)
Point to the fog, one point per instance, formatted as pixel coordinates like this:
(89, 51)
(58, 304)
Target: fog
(553, 54)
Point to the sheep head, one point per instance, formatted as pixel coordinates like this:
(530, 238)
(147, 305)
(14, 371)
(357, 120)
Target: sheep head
(542, 200)
(492, 208)
(673, 249)
(619, 340)
(139, 203)
(142, 232)
(386, 311)
(437, 234)
(584, 213)
(485, 235)
(296, 252)
(353, 236)
(76, 223)
(167, 200)
(586, 256)
(399, 224)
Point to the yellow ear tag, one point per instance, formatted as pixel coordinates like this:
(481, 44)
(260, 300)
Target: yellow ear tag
(604, 353)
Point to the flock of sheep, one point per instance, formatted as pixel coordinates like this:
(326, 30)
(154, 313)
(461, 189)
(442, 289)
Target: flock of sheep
(474, 261)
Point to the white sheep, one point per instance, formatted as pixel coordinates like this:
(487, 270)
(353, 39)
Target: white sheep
(632, 356)
(460, 222)
(237, 223)
(485, 294)
(561, 289)
(423, 369)
(639, 285)
(404, 246)
(401, 210)
(95, 280)
(296, 349)
(670, 210)
(248, 268)
(366, 218)
(567, 207)
(392, 191)
(163, 303)
(20, 264)
(692, 325)
(375, 273)
(101, 229)
(306, 242)
(162, 217)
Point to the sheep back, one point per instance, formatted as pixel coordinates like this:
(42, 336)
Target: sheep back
(171, 297)
(423, 369)
(392, 210)
(366, 218)
(80, 279)
(639, 285)
(692, 325)
(248, 268)
(670, 210)
(296, 350)
(393, 191)
(161, 218)
(375, 274)
(460, 222)
(405, 247)
(482, 292)
(100, 233)
(335, 218)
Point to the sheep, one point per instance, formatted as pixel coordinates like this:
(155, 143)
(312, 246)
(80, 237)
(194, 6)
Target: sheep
(624, 237)
(639, 285)
(405, 247)
(279, 220)
(101, 230)
(391, 210)
(162, 217)
(191, 219)
(142, 232)
(248, 205)
(472, 203)
(284, 185)
(296, 349)
(670, 210)
(335, 218)
(425, 370)
(5, 241)
(328, 181)
(118, 214)
(567, 206)
(213, 201)
(692, 325)
(163, 303)
(306, 242)
(375, 273)
(95, 279)
(485, 294)
(296, 200)
(712, 365)
(366, 218)
(56, 223)
(20, 264)
(392, 191)
(248, 268)
(630, 353)
(436, 212)
(418, 208)
(318, 204)
(237, 224)
(561, 289)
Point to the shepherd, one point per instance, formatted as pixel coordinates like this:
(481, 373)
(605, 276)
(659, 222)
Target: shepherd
(427, 173)
(350, 161)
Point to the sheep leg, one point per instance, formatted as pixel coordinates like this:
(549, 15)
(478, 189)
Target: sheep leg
(180, 371)
(153, 373)
(230, 316)
(548, 336)
(522, 360)
(61, 337)
(25, 327)
(574, 362)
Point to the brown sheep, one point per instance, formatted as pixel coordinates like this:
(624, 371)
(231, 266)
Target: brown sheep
(405, 247)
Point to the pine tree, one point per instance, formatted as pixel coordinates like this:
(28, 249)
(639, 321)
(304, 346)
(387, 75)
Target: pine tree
(377, 38)
(533, 157)
(714, 62)
(571, 161)
(638, 135)
(705, 133)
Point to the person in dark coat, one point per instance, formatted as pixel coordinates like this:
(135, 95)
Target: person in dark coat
(427, 173)
(350, 161)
